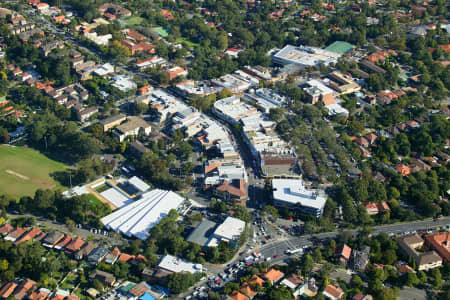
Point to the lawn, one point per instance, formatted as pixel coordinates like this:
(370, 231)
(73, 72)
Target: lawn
(24, 170)
(134, 20)
(188, 42)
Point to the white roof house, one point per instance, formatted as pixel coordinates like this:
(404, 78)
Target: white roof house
(174, 264)
(292, 192)
(104, 69)
(230, 229)
(137, 218)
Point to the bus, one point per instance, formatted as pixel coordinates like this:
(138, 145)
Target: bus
(294, 251)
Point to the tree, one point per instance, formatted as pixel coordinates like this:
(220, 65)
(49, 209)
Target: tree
(356, 281)
(436, 278)
(4, 137)
(307, 264)
(410, 279)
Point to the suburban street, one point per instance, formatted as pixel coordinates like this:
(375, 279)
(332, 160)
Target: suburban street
(279, 247)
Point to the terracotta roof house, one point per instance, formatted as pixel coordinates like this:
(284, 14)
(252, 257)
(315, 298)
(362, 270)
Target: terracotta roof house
(237, 189)
(15, 234)
(333, 292)
(28, 236)
(374, 208)
(292, 281)
(256, 280)
(238, 296)
(112, 256)
(86, 250)
(247, 290)
(440, 242)
(7, 290)
(6, 228)
(125, 257)
(344, 254)
(403, 170)
(64, 242)
(362, 297)
(273, 275)
(371, 138)
(42, 294)
(167, 14)
(403, 268)
(74, 245)
(23, 288)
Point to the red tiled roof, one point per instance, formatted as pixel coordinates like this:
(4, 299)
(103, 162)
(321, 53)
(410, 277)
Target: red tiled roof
(336, 292)
(7, 290)
(273, 275)
(346, 252)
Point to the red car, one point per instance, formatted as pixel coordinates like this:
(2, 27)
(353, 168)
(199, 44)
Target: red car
(275, 256)
(218, 281)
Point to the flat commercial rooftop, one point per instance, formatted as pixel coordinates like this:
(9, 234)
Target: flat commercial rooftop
(175, 264)
(137, 218)
(294, 191)
(202, 232)
(230, 229)
(305, 56)
(117, 198)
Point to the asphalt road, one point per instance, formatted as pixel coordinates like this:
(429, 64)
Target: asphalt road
(280, 246)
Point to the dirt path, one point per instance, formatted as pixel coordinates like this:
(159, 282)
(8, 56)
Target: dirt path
(11, 172)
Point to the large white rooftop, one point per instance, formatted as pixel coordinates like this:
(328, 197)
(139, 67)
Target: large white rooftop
(294, 192)
(176, 265)
(137, 218)
(305, 56)
(230, 229)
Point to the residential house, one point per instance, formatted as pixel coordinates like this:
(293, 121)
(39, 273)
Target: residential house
(175, 72)
(28, 236)
(52, 239)
(138, 149)
(292, 281)
(440, 242)
(362, 297)
(63, 243)
(24, 287)
(307, 289)
(424, 260)
(5, 229)
(375, 208)
(403, 169)
(132, 127)
(15, 234)
(344, 254)
(86, 250)
(235, 295)
(333, 293)
(74, 246)
(97, 255)
(112, 121)
(112, 256)
(273, 275)
(105, 278)
(84, 114)
(361, 258)
(7, 290)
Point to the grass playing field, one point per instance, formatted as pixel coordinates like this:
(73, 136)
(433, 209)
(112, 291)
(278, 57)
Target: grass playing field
(24, 170)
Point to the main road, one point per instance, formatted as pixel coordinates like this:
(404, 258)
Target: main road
(280, 246)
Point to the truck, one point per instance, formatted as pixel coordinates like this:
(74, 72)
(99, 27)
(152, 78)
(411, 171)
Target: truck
(294, 251)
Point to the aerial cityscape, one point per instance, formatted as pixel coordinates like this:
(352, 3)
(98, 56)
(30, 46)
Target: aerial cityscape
(224, 149)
